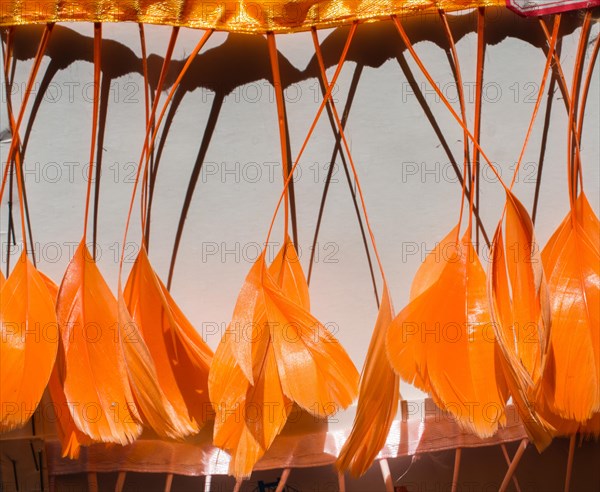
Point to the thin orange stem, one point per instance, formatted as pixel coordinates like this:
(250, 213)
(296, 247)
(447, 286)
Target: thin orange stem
(587, 83)
(95, 111)
(551, 48)
(15, 128)
(563, 85)
(147, 148)
(557, 64)
(478, 99)
(571, 165)
(18, 156)
(578, 131)
(461, 99)
(314, 124)
(9, 109)
(28, 89)
(281, 120)
(340, 128)
(144, 195)
(443, 98)
(583, 102)
(7, 60)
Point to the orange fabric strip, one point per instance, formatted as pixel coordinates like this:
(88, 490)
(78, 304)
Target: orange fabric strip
(252, 16)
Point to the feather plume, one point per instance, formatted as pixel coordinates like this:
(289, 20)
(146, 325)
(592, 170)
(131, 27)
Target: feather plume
(273, 354)
(95, 381)
(572, 263)
(521, 314)
(181, 357)
(443, 340)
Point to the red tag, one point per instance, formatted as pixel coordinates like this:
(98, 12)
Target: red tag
(532, 8)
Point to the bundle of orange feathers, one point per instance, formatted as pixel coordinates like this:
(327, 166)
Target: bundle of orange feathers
(528, 330)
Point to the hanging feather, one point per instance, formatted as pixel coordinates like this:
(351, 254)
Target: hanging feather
(95, 381)
(521, 314)
(273, 354)
(450, 350)
(239, 427)
(99, 337)
(181, 357)
(377, 399)
(28, 343)
(572, 263)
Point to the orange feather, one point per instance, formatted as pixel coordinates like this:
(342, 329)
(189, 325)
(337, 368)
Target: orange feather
(444, 338)
(70, 436)
(153, 406)
(182, 358)
(95, 382)
(377, 399)
(274, 353)
(521, 314)
(28, 343)
(572, 263)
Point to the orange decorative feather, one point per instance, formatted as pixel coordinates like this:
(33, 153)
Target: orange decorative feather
(377, 399)
(572, 263)
(273, 354)
(95, 381)
(521, 314)
(28, 343)
(444, 342)
(181, 357)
